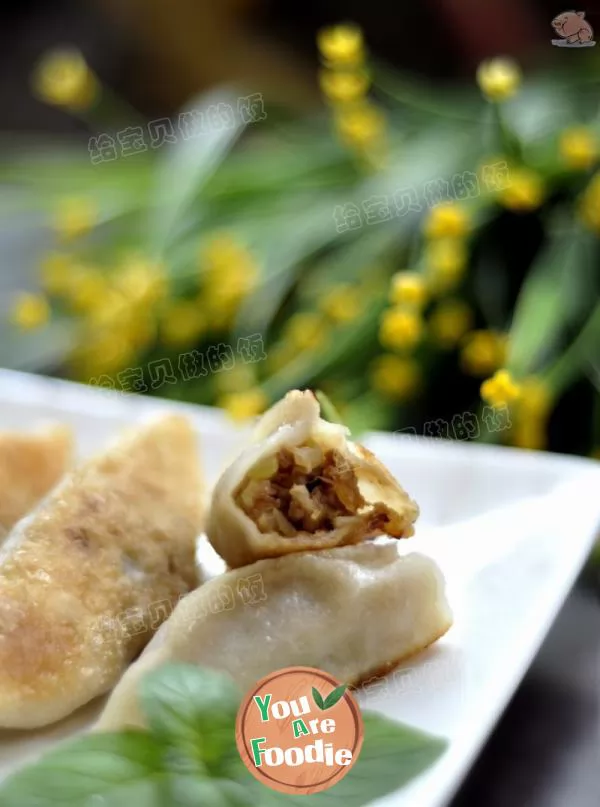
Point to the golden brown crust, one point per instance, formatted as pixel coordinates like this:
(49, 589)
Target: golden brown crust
(118, 534)
(385, 669)
(30, 466)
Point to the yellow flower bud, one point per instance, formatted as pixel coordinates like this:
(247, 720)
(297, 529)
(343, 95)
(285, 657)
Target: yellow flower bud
(447, 220)
(524, 193)
(306, 330)
(578, 148)
(395, 377)
(500, 390)
(63, 78)
(182, 323)
(360, 126)
(499, 79)
(483, 352)
(343, 86)
(341, 303)
(445, 261)
(408, 288)
(141, 280)
(400, 329)
(449, 322)
(55, 272)
(30, 311)
(589, 207)
(240, 378)
(341, 45)
(244, 405)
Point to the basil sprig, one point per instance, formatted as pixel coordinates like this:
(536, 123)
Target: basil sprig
(187, 757)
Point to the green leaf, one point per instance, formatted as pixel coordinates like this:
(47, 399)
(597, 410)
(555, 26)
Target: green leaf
(114, 770)
(191, 791)
(328, 410)
(317, 698)
(391, 756)
(139, 768)
(549, 298)
(335, 696)
(192, 707)
(186, 167)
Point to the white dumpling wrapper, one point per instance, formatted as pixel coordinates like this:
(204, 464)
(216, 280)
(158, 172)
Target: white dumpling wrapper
(353, 612)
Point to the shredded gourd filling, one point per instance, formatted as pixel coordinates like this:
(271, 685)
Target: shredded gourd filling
(306, 489)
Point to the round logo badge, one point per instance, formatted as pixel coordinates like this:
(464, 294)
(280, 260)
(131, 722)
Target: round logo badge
(299, 730)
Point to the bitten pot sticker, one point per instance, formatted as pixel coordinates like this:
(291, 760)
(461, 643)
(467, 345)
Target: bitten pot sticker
(299, 730)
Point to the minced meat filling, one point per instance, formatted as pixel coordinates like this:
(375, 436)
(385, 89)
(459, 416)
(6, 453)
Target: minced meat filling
(304, 489)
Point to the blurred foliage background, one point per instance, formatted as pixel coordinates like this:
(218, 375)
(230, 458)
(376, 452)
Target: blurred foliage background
(402, 211)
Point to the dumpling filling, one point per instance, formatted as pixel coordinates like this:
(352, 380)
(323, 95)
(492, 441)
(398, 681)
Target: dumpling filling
(308, 489)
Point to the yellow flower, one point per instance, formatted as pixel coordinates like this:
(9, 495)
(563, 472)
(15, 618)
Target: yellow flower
(341, 45)
(306, 330)
(360, 126)
(30, 311)
(55, 272)
(589, 208)
(244, 405)
(408, 288)
(400, 329)
(535, 399)
(446, 261)
(139, 328)
(240, 378)
(449, 322)
(578, 148)
(74, 217)
(279, 356)
(525, 192)
(141, 280)
(111, 309)
(500, 389)
(499, 79)
(63, 78)
(228, 272)
(182, 322)
(343, 86)
(447, 220)
(483, 352)
(222, 252)
(395, 377)
(341, 303)
(530, 434)
(86, 289)
(106, 352)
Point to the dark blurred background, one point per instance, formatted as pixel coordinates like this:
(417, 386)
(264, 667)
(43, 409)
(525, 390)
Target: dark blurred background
(158, 54)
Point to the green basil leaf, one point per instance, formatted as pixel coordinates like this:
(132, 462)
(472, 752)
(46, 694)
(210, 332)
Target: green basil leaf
(391, 756)
(191, 791)
(335, 696)
(193, 707)
(112, 770)
(317, 698)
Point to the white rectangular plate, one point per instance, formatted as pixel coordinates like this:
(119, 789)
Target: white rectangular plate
(510, 529)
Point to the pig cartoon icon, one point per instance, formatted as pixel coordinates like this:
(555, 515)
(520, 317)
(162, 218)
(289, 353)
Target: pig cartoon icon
(575, 30)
